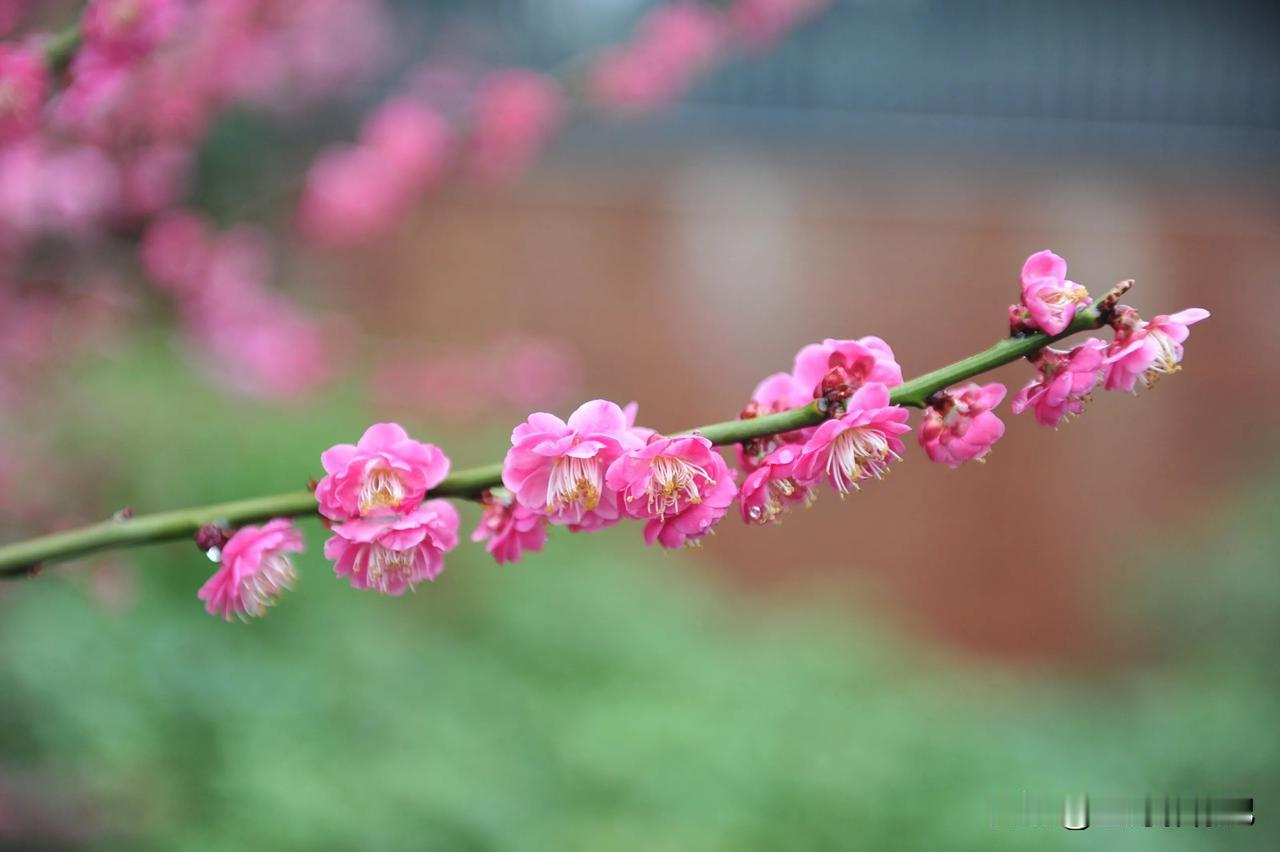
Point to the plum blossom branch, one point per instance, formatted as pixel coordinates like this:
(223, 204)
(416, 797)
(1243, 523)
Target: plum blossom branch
(25, 557)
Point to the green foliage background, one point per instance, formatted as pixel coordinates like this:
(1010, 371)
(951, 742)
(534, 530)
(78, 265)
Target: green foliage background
(596, 697)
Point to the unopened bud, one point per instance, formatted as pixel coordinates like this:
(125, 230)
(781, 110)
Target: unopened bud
(836, 384)
(211, 536)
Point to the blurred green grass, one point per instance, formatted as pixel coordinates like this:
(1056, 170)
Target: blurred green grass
(597, 696)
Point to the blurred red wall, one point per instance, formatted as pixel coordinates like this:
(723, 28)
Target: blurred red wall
(687, 280)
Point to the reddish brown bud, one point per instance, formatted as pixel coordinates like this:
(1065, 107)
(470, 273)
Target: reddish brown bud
(836, 385)
(1020, 321)
(312, 483)
(210, 536)
(750, 411)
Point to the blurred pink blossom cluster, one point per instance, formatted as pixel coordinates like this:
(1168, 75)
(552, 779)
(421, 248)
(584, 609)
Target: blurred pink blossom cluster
(495, 125)
(518, 372)
(1064, 381)
(503, 118)
(254, 339)
(673, 43)
(99, 127)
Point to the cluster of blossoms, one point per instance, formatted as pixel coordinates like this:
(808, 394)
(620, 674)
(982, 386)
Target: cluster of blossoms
(598, 467)
(1140, 350)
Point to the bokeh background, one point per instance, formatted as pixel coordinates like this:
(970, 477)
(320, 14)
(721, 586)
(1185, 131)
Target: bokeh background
(1092, 610)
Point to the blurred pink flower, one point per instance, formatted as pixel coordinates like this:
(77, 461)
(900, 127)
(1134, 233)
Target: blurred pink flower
(558, 469)
(353, 195)
(23, 81)
(1050, 299)
(262, 345)
(128, 29)
(509, 529)
(390, 554)
(763, 22)
(513, 114)
(858, 445)
(771, 487)
(386, 472)
(1063, 382)
(255, 569)
(70, 190)
(412, 137)
(961, 425)
(672, 44)
(176, 251)
(154, 178)
(1147, 350)
(680, 485)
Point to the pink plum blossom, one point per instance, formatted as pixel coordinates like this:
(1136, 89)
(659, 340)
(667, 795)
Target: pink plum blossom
(509, 529)
(867, 360)
(680, 485)
(962, 426)
(23, 81)
(672, 44)
(386, 472)
(558, 469)
(255, 569)
(772, 488)
(128, 29)
(781, 392)
(352, 196)
(1050, 299)
(176, 251)
(1063, 383)
(392, 553)
(514, 113)
(1147, 350)
(859, 444)
(412, 137)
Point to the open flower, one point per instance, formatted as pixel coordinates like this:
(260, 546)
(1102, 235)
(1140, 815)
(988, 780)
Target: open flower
(509, 529)
(255, 569)
(681, 485)
(390, 554)
(387, 472)
(1049, 297)
(961, 426)
(557, 469)
(858, 445)
(1147, 350)
(772, 487)
(866, 360)
(1063, 383)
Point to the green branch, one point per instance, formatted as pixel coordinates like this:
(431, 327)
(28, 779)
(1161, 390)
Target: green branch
(26, 556)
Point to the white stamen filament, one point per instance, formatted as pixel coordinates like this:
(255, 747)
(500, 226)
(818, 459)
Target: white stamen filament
(382, 489)
(1166, 362)
(384, 565)
(260, 590)
(575, 483)
(858, 453)
(669, 479)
